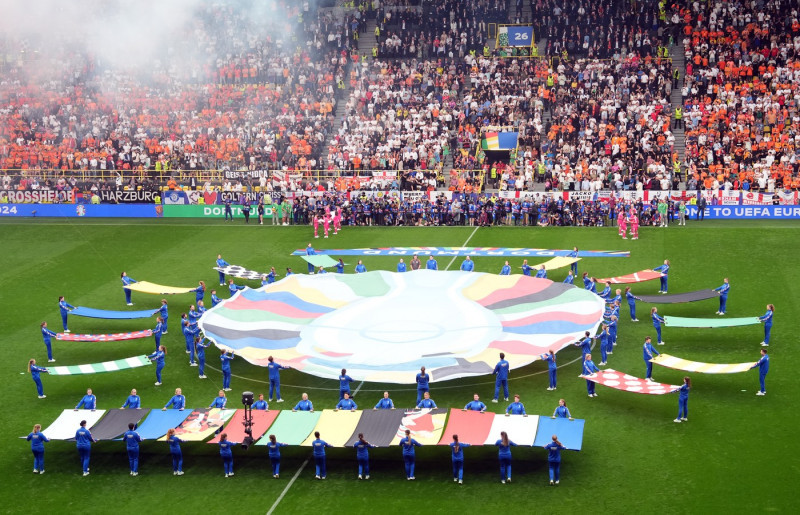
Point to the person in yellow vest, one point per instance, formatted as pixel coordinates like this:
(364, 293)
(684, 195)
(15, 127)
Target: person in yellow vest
(377, 31)
(551, 81)
(375, 51)
(676, 76)
(201, 200)
(534, 51)
(676, 169)
(486, 51)
(678, 118)
(95, 198)
(493, 176)
(542, 169)
(341, 84)
(472, 52)
(157, 199)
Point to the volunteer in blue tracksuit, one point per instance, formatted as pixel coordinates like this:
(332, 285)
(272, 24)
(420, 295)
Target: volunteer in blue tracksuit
(132, 440)
(648, 352)
(574, 266)
(339, 266)
(163, 312)
(506, 270)
(346, 404)
(177, 401)
(552, 368)
(631, 298)
(526, 268)
(554, 449)
(261, 404)
(214, 299)
(133, 401)
(541, 273)
(200, 292)
(562, 411)
(723, 296)
(175, 452)
(457, 455)
(612, 324)
(589, 368)
(426, 402)
(158, 330)
(657, 321)
(37, 440)
(344, 383)
(475, 404)
(763, 367)
(83, 441)
(318, 446)
(304, 404)
(401, 266)
(587, 281)
(158, 357)
(360, 268)
(423, 379)
(200, 351)
(664, 269)
(271, 275)
(362, 456)
(219, 401)
(275, 378)
(468, 265)
(127, 281)
(516, 407)
(504, 454)
(432, 264)
(606, 293)
(767, 319)
(585, 344)
(221, 263)
(226, 451)
(570, 278)
(46, 335)
(88, 401)
(188, 338)
(233, 288)
(683, 400)
(385, 402)
(592, 286)
(225, 359)
(274, 450)
(605, 343)
(64, 308)
(615, 301)
(409, 458)
(501, 379)
(35, 371)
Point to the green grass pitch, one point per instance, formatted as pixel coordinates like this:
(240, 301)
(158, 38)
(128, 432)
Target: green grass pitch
(733, 456)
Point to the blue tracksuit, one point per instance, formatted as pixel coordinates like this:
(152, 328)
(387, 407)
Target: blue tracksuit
(362, 456)
(219, 402)
(385, 404)
(132, 440)
(569, 279)
(344, 385)
(221, 263)
(176, 402)
(304, 405)
(318, 447)
(226, 451)
(657, 321)
(132, 402)
(516, 408)
(648, 353)
(157, 332)
(585, 345)
(526, 269)
(504, 453)
(763, 368)
(426, 404)
(226, 369)
(46, 335)
(37, 441)
(271, 277)
(432, 264)
(215, 300)
(275, 379)
(274, 450)
(590, 368)
(401, 267)
(562, 412)
(767, 319)
(200, 349)
(606, 293)
(475, 406)
(159, 357)
(126, 281)
(310, 252)
(63, 308)
(554, 460)
(501, 371)
(606, 345)
(458, 459)
(261, 405)
(683, 401)
(612, 333)
(35, 371)
(723, 296)
(346, 405)
(409, 458)
(163, 312)
(467, 266)
(87, 402)
(664, 269)
(360, 269)
(573, 266)
(188, 338)
(541, 274)
(83, 441)
(631, 298)
(506, 270)
(233, 288)
(175, 451)
(422, 385)
(339, 268)
(552, 368)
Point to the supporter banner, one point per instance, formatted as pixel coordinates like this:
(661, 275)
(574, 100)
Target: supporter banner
(384, 175)
(462, 251)
(787, 198)
(747, 212)
(37, 196)
(281, 175)
(127, 197)
(214, 211)
(755, 199)
(377, 195)
(83, 210)
(413, 196)
(246, 174)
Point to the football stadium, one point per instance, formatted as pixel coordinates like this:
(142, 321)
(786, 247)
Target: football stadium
(310, 256)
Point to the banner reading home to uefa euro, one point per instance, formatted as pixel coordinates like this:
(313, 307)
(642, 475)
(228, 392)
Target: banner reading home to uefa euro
(209, 211)
(747, 212)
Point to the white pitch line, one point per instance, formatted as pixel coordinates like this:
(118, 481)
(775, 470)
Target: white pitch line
(464, 245)
(291, 482)
(357, 389)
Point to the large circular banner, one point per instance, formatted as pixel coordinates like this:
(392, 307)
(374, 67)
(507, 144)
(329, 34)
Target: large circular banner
(383, 326)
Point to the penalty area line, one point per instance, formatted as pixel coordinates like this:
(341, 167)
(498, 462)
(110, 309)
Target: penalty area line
(464, 245)
(291, 482)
